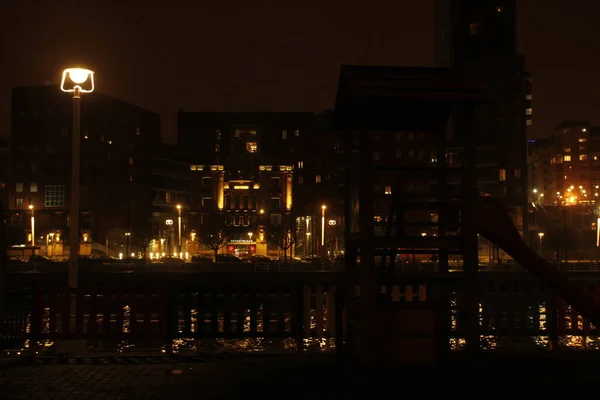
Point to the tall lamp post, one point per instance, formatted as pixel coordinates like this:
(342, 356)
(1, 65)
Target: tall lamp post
(179, 228)
(72, 81)
(169, 224)
(323, 208)
(541, 236)
(32, 226)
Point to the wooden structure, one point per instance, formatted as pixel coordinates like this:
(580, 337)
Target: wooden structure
(371, 104)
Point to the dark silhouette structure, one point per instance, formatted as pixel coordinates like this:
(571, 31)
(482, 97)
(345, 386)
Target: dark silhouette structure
(479, 37)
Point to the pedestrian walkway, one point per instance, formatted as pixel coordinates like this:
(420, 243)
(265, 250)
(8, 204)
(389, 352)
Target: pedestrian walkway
(288, 377)
(202, 358)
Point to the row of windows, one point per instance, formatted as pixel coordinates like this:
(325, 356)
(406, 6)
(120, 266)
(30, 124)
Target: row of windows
(241, 220)
(240, 133)
(54, 195)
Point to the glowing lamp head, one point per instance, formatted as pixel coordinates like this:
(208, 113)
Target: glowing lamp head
(323, 207)
(79, 75)
(179, 206)
(31, 206)
(74, 77)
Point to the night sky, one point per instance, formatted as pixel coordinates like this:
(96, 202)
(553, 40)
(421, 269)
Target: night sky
(256, 56)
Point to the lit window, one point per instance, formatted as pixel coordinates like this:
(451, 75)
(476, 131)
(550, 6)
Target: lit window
(217, 148)
(251, 147)
(582, 140)
(528, 122)
(55, 196)
(474, 28)
(318, 178)
(218, 134)
(582, 157)
(528, 111)
(499, 9)
(19, 203)
(19, 187)
(567, 149)
(300, 164)
(502, 175)
(284, 134)
(33, 187)
(528, 97)
(583, 130)
(297, 133)
(567, 158)
(388, 189)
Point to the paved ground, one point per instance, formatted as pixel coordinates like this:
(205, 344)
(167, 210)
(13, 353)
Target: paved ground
(291, 377)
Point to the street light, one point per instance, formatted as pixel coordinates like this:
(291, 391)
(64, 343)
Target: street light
(541, 236)
(127, 236)
(72, 81)
(179, 226)
(32, 226)
(323, 208)
(169, 224)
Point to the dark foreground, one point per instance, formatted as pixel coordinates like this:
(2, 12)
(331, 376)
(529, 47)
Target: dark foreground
(294, 377)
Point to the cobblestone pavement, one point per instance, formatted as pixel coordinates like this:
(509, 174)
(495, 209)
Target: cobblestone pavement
(287, 377)
(263, 377)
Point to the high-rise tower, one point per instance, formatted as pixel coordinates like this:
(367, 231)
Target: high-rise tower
(469, 30)
(479, 36)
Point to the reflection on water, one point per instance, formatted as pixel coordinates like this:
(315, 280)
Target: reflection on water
(506, 323)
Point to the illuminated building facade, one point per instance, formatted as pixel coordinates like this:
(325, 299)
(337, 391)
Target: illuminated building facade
(242, 178)
(170, 170)
(572, 160)
(117, 142)
(319, 179)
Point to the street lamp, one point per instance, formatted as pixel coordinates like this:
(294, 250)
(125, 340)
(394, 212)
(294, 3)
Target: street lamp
(179, 226)
(169, 224)
(32, 226)
(72, 81)
(323, 208)
(541, 236)
(127, 236)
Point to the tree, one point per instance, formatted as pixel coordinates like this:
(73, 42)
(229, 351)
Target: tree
(283, 236)
(214, 234)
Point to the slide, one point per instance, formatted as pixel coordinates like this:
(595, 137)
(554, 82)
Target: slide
(494, 223)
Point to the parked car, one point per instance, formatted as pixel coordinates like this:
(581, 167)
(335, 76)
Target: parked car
(260, 259)
(201, 260)
(228, 258)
